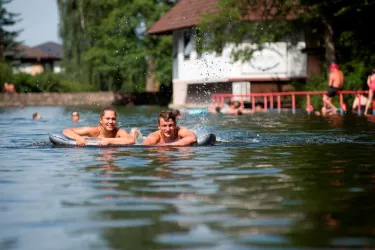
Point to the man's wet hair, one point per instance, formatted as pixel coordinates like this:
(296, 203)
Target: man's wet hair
(176, 112)
(236, 104)
(75, 113)
(218, 109)
(259, 104)
(167, 115)
(35, 115)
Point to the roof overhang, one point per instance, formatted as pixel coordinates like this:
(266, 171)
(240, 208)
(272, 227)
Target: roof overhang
(188, 13)
(185, 14)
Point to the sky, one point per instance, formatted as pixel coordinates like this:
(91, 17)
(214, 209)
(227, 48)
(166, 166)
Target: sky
(40, 21)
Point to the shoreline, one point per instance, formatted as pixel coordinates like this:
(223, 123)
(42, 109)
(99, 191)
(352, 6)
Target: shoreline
(82, 99)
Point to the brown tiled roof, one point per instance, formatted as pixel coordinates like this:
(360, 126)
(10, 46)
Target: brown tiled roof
(26, 52)
(187, 13)
(51, 48)
(184, 14)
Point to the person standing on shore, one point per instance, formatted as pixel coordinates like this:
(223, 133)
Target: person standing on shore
(371, 85)
(9, 88)
(360, 101)
(335, 83)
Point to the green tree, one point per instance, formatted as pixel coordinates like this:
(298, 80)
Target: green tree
(106, 41)
(73, 30)
(7, 37)
(337, 26)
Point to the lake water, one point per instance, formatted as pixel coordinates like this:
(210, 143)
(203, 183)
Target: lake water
(272, 182)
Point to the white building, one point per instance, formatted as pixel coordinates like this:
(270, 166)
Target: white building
(38, 59)
(196, 77)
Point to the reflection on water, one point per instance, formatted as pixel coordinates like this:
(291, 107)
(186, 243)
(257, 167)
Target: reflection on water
(273, 181)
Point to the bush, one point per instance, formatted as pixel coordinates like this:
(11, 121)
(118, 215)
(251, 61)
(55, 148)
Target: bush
(49, 82)
(5, 73)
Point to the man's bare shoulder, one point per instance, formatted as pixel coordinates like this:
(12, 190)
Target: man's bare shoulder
(152, 138)
(184, 130)
(155, 134)
(334, 74)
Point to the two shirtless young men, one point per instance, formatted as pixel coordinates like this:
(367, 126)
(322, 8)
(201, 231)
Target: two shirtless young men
(168, 133)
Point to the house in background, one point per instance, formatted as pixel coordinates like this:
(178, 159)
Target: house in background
(196, 77)
(38, 59)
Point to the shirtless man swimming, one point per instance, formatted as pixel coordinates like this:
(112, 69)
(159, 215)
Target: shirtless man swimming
(232, 108)
(75, 116)
(335, 83)
(169, 134)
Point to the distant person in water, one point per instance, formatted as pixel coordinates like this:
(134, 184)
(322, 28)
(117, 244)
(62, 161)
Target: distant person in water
(169, 134)
(214, 109)
(177, 113)
(106, 130)
(75, 116)
(335, 84)
(361, 102)
(36, 116)
(371, 85)
(325, 112)
(232, 108)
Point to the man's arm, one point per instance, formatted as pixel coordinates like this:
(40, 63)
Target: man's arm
(331, 80)
(355, 103)
(187, 138)
(152, 139)
(368, 81)
(122, 138)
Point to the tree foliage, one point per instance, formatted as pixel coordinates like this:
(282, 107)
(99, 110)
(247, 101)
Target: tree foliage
(339, 27)
(230, 25)
(7, 37)
(105, 43)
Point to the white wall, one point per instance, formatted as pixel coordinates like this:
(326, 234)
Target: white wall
(35, 68)
(275, 61)
(57, 67)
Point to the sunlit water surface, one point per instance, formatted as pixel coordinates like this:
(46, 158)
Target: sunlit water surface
(273, 181)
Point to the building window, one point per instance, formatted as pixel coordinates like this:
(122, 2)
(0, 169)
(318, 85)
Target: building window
(188, 44)
(175, 46)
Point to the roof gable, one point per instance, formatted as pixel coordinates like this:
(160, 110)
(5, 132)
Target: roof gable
(185, 14)
(26, 52)
(51, 48)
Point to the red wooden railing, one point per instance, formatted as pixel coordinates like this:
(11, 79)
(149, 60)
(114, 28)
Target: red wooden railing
(220, 99)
